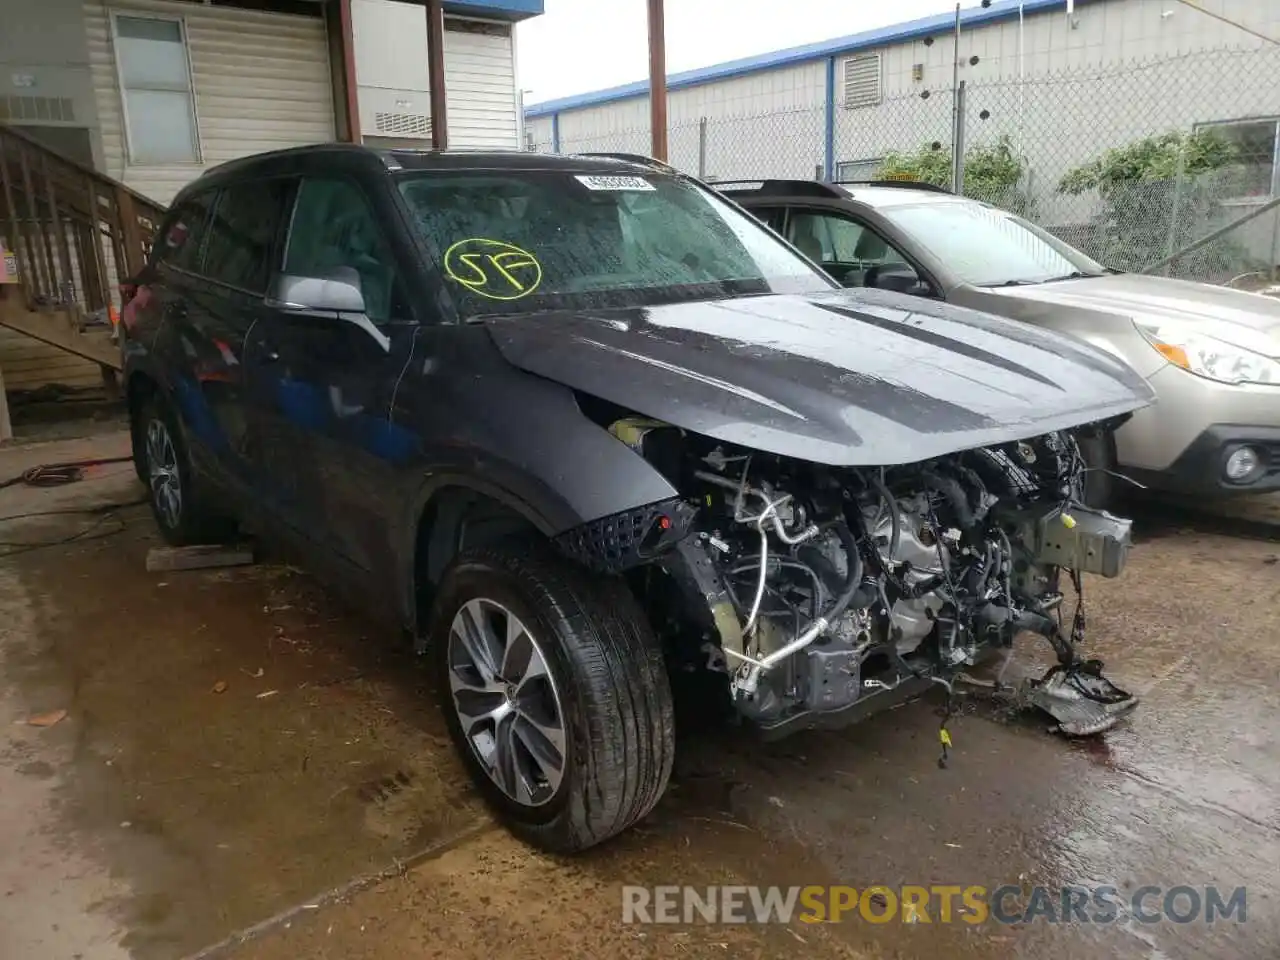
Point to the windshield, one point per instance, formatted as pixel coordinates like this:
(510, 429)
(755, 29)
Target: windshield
(528, 240)
(988, 247)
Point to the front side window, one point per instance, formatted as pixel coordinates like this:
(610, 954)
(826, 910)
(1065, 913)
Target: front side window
(333, 228)
(829, 238)
(243, 231)
(989, 247)
(524, 241)
(155, 84)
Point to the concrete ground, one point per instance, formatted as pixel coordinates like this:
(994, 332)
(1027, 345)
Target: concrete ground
(245, 769)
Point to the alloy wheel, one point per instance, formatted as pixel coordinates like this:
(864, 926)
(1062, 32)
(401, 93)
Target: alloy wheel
(163, 474)
(506, 701)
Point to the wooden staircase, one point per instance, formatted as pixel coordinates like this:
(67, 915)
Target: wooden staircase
(75, 235)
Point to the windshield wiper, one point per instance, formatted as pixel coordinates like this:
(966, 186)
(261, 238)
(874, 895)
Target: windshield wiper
(1073, 275)
(1011, 283)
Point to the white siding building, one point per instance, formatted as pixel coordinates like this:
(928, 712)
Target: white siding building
(152, 92)
(1064, 86)
(179, 87)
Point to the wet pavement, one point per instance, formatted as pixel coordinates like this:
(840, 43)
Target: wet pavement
(246, 769)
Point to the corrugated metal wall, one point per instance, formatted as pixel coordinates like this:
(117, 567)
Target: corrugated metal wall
(394, 82)
(261, 83)
(480, 85)
(788, 101)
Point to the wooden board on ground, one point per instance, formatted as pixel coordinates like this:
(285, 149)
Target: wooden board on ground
(199, 557)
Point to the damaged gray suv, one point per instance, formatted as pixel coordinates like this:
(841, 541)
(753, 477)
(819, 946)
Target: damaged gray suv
(581, 426)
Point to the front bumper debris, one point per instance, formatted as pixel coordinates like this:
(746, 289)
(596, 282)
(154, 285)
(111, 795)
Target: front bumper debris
(1080, 698)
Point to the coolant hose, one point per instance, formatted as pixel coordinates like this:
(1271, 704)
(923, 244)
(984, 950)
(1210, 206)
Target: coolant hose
(950, 488)
(853, 575)
(895, 520)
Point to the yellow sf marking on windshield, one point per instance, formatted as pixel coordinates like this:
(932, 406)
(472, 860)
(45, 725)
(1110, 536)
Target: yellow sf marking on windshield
(492, 268)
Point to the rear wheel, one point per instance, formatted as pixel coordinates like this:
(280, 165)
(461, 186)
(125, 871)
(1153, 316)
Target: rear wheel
(555, 693)
(180, 510)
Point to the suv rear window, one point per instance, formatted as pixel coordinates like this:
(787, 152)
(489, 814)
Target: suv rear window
(533, 240)
(243, 231)
(184, 233)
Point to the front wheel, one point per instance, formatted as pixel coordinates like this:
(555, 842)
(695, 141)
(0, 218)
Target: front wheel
(555, 693)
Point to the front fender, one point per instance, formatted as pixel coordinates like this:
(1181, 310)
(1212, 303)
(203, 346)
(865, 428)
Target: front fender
(524, 443)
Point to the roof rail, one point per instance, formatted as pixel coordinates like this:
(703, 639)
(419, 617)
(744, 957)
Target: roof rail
(785, 188)
(903, 184)
(634, 158)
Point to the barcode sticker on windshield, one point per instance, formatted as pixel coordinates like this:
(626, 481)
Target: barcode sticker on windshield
(594, 182)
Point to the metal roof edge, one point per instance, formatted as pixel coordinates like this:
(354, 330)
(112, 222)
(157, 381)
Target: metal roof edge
(881, 36)
(513, 11)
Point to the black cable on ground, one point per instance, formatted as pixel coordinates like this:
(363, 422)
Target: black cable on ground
(58, 474)
(104, 512)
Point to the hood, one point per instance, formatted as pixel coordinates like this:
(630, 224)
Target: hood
(1248, 320)
(841, 378)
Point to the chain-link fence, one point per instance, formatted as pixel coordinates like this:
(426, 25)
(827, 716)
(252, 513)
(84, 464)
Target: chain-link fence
(1170, 165)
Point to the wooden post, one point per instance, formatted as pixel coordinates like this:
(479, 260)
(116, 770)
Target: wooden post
(343, 68)
(657, 81)
(130, 235)
(435, 74)
(6, 427)
(8, 196)
(59, 234)
(35, 226)
(94, 235)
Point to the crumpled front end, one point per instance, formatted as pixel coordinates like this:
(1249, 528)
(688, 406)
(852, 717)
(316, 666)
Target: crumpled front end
(821, 594)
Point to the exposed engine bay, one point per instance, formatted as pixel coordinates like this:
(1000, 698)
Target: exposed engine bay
(825, 592)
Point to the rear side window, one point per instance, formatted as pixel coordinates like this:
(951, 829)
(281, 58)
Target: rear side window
(185, 232)
(243, 231)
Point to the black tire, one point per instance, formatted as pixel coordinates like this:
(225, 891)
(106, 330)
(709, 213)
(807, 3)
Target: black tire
(1099, 453)
(194, 521)
(607, 669)
(139, 446)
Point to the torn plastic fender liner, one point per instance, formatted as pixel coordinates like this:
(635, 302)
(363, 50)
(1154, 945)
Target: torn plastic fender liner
(693, 571)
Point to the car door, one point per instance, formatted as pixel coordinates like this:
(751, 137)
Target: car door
(219, 311)
(201, 332)
(324, 386)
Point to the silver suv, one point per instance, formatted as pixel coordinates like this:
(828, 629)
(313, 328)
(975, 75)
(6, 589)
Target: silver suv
(1211, 353)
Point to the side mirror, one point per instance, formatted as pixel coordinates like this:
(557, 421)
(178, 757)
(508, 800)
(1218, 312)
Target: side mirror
(899, 277)
(334, 297)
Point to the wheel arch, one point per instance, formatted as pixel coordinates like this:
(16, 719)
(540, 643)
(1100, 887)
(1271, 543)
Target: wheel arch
(139, 387)
(452, 513)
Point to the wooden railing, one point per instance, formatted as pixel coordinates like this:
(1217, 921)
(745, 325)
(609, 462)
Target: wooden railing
(76, 233)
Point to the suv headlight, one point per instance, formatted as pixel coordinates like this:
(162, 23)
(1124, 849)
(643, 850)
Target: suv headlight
(1209, 357)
